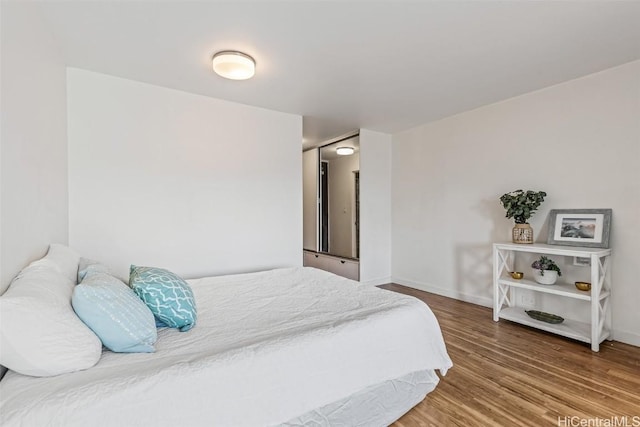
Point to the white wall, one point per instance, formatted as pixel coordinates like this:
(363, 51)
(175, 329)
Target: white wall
(194, 184)
(579, 141)
(33, 168)
(375, 207)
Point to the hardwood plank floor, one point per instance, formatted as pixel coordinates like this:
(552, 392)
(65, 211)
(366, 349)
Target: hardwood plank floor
(506, 374)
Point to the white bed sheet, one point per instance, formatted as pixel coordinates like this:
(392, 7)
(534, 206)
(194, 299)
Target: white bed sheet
(376, 406)
(268, 347)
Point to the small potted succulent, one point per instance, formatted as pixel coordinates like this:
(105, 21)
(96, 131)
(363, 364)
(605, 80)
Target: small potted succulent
(520, 206)
(545, 271)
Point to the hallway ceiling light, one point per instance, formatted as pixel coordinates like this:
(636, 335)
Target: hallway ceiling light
(234, 65)
(344, 151)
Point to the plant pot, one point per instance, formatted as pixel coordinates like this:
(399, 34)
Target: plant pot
(522, 233)
(549, 277)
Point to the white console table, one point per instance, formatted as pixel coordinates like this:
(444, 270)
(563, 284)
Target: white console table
(505, 307)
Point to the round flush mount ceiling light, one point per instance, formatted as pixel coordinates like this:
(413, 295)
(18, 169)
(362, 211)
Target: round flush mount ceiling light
(344, 151)
(234, 65)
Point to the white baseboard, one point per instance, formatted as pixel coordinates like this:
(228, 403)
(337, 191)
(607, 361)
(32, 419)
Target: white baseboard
(626, 337)
(473, 299)
(377, 282)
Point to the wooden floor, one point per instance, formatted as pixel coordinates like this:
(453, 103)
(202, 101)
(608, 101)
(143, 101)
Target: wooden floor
(506, 374)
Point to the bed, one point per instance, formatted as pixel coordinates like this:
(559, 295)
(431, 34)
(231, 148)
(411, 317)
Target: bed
(294, 346)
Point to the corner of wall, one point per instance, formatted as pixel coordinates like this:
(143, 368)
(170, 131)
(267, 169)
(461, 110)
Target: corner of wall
(375, 206)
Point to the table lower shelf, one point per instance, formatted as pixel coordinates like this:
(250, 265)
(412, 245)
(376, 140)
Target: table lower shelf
(580, 331)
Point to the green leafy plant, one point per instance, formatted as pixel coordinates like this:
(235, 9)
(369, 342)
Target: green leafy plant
(521, 205)
(545, 263)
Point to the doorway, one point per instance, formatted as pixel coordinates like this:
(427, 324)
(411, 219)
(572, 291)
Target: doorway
(324, 206)
(356, 210)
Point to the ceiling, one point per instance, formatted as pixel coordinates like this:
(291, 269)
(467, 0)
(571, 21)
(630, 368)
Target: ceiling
(383, 66)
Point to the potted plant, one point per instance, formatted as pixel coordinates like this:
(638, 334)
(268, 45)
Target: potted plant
(545, 271)
(520, 206)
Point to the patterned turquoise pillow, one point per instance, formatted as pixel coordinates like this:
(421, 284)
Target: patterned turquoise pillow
(168, 297)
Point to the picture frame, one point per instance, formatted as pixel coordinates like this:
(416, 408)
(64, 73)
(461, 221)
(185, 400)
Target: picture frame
(581, 261)
(580, 227)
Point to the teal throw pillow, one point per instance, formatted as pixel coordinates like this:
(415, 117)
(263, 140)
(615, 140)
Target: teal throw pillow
(115, 314)
(168, 297)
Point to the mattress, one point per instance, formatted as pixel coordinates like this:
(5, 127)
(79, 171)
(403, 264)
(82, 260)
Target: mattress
(268, 347)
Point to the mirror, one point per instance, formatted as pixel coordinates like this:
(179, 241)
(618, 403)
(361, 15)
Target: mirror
(339, 198)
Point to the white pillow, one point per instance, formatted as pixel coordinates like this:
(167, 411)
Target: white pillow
(66, 259)
(40, 334)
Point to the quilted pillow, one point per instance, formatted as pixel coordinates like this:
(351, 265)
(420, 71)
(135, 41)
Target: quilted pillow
(121, 320)
(40, 335)
(168, 297)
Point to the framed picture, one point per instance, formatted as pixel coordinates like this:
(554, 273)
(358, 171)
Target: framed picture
(579, 227)
(582, 261)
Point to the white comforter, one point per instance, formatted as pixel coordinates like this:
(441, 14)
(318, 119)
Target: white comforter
(267, 347)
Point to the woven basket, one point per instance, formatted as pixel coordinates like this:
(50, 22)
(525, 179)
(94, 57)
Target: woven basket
(522, 233)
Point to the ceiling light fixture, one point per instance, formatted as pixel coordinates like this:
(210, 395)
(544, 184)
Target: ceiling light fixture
(234, 65)
(344, 151)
